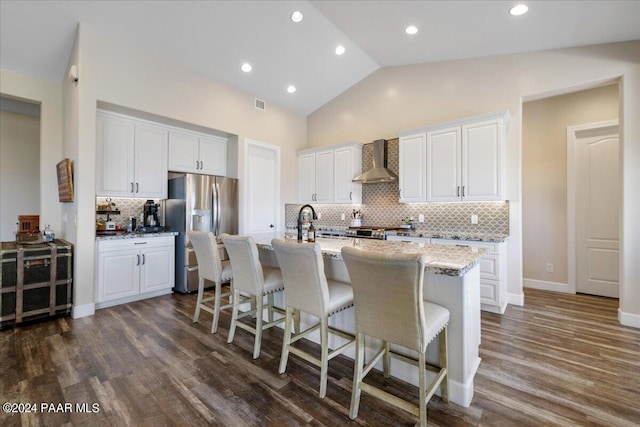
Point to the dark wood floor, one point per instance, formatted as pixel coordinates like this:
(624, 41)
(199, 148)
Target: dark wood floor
(559, 360)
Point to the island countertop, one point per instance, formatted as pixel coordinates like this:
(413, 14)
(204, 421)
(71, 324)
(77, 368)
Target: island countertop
(447, 260)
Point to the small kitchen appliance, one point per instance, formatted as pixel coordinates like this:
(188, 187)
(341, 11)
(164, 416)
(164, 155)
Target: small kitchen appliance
(151, 214)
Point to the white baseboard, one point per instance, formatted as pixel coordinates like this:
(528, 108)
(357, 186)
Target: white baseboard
(546, 286)
(629, 319)
(84, 310)
(516, 299)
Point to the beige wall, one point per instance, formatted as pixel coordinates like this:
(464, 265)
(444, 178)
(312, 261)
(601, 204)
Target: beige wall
(49, 96)
(19, 169)
(115, 72)
(399, 98)
(544, 176)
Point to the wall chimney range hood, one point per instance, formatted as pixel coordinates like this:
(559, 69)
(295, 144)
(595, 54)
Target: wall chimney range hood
(379, 172)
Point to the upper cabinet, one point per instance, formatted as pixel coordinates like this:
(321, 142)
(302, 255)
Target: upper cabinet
(196, 153)
(462, 161)
(325, 174)
(131, 158)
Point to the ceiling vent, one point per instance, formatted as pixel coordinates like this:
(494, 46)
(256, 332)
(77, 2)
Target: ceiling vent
(260, 104)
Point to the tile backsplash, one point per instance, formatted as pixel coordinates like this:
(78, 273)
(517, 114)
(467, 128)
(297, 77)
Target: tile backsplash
(128, 208)
(380, 207)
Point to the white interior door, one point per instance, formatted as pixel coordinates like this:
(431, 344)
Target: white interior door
(597, 209)
(262, 187)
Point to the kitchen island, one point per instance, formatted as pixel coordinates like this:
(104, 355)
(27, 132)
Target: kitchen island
(452, 280)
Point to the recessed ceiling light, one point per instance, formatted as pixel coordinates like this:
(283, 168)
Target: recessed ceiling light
(296, 16)
(246, 67)
(340, 50)
(291, 89)
(411, 29)
(518, 10)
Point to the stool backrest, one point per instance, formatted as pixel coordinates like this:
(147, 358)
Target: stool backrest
(387, 294)
(245, 262)
(305, 284)
(206, 247)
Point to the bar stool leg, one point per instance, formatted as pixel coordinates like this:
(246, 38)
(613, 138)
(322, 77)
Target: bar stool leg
(258, 338)
(196, 314)
(324, 357)
(386, 359)
(286, 340)
(357, 376)
(422, 378)
(216, 308)
(234, 316)
(443, 355)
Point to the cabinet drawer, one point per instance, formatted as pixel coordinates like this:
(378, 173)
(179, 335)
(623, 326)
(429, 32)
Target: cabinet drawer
(489, 292)
(490, 266)
(124, 244)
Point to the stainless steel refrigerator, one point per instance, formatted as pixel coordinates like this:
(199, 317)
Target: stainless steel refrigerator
(200, 203)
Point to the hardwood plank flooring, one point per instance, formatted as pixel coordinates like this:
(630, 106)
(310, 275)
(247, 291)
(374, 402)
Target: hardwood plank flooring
(559, 360)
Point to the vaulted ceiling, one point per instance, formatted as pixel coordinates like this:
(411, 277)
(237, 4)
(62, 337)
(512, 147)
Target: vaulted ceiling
(216, 37)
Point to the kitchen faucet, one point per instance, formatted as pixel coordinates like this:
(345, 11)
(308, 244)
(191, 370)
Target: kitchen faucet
(314, 216)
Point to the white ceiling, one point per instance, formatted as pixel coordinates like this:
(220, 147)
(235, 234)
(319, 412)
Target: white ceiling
(216, 37)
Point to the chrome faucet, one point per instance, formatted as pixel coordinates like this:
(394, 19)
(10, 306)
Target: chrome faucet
(314, 216)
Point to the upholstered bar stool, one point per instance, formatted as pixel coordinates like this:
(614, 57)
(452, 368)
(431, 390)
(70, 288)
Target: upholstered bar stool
(210, 267)
(255, 282)
(307, 289)
(389, 305)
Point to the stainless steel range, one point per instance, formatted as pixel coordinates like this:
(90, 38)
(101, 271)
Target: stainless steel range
(369, 232)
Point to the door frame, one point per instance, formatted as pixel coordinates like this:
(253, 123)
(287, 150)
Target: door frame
(571, 195)
(245, 189)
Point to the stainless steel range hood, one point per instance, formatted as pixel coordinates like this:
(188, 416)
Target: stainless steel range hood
(379, 172)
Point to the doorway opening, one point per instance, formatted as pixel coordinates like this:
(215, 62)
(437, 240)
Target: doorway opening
(545, 213)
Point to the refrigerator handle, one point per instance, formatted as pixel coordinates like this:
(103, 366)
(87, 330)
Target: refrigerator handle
(214, 208)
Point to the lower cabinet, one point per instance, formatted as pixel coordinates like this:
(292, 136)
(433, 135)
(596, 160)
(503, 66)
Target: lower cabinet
(133, 269)
(493, 272)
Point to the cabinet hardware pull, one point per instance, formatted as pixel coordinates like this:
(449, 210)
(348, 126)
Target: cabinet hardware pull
(201, 164)
(458, 192)
(143, 260)
(137, 187)
(140, 243)
(132, 187)
(138, 259)
(463, 191)
(350, 194)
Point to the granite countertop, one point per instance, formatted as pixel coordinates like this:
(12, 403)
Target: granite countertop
(448, 260)
(125, 235)
(495, 238)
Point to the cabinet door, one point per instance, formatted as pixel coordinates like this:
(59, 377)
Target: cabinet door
(412, 168)
(324, 177)
(183, 152)
(213, 156)
(150, 162)
(306, 178)
(347, 165)
(115, 157)
(118, 274)
(157, 268)
(482, 161)
(443, 165)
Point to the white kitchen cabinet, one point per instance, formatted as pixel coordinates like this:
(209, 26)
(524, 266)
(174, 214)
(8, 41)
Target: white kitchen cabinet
(347, 165)
(325, 175)
(493, 272)
(131, 158)
(133, 269)
(412, 168)
(192, 152)
(461, 160)
(315, 177)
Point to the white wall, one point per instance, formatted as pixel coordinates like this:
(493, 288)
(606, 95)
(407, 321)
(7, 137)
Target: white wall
(399, 98)
(49, 96)
(117, 73)
(19, 169)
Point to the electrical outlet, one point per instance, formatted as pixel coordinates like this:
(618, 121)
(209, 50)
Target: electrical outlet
(474, 219)
(421, 218)
(549, 267)
(319, 215)
(342, 217)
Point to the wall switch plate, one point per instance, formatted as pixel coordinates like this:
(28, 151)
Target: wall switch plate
(420, 218)
(549, 267)
(474, 219)
(342, 217)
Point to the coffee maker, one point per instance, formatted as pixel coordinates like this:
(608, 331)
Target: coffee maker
(151, 222)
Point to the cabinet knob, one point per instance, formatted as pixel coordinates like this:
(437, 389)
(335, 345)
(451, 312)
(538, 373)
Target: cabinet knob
(270, 225)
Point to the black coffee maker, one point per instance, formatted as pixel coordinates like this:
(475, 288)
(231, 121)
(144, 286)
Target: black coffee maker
(151, 214)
